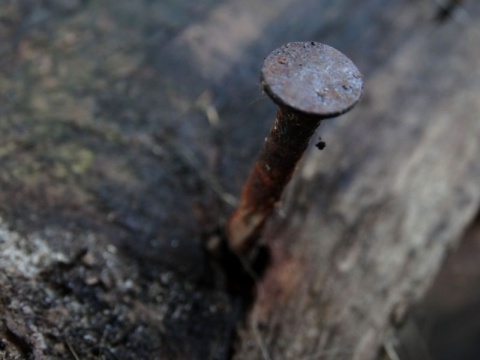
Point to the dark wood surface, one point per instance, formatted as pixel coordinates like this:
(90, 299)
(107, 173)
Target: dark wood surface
(127, 129)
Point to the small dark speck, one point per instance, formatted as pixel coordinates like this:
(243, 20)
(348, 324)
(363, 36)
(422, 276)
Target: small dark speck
(345, 87)
(446, 10)
(313, 43)
(321, 144)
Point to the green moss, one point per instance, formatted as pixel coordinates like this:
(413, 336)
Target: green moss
(72, 158)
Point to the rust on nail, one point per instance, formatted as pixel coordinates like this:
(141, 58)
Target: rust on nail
(297, 73)
(310, 82)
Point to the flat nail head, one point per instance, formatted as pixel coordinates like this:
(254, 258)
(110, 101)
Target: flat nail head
(311, 78)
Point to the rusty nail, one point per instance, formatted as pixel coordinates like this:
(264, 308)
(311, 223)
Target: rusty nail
(310, 82)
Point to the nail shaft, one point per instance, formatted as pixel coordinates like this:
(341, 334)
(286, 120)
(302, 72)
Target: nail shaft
(283, 148)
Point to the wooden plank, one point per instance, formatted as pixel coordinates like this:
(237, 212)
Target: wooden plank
(372, 217)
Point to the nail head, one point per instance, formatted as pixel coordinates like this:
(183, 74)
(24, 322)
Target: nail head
(312, 78)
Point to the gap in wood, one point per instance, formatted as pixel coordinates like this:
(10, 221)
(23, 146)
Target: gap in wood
(241, 276)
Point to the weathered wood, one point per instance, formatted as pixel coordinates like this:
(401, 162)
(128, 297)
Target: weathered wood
(100, 241)
(125, 128)
(372, 217)
(444, 325)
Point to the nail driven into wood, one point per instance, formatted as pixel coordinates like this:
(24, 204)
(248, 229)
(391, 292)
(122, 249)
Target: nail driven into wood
(310, 82)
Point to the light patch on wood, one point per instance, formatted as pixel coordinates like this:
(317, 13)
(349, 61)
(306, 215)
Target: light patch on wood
(22, 255)
(222, 39)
